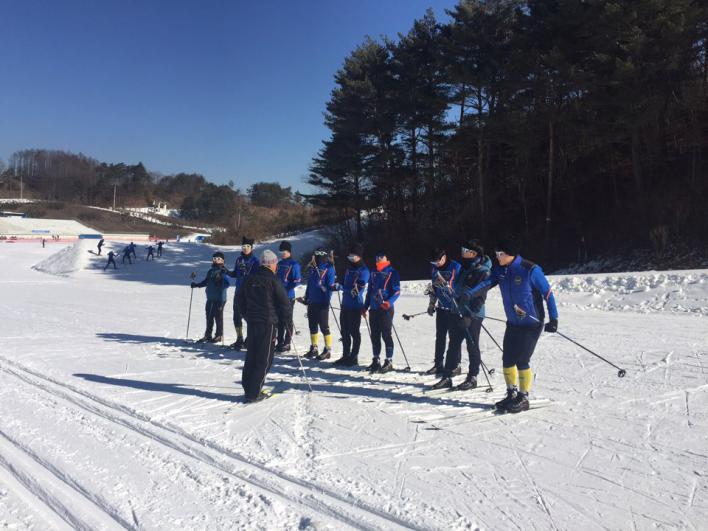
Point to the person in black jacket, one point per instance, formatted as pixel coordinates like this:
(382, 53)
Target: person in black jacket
(264, 304)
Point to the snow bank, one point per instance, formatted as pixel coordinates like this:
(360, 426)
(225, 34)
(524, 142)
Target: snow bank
(67, 261)
(645, 292)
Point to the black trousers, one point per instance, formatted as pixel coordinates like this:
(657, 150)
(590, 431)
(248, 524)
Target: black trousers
(110, 261)
(128, 257)
(238, 316)
(285, 330)
(457, 335)
(214, 314)
(318, 316)
(519, 344)
(259, 357)
(350, 321)
(442, 324)
(381, 322)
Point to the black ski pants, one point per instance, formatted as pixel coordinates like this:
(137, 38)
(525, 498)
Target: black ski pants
(111, 261)
(285, 330)
(128, 257)
(442, 325)
(214, 314)
(350, 320)
(259, 357)
(459, 333)
(238, 316)
(318, 316)
(519, 344)
(381, 322)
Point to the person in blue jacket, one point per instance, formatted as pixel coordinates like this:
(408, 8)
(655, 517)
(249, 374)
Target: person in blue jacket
(246, 263)
(443, 275)
(524, 289)
(321, 282)
(216, 284)
(465, 319)
(290, 276)
(132, 251)
(381, 295)
(126, 254)
(150, 250)
(111, 260)
(356, 278)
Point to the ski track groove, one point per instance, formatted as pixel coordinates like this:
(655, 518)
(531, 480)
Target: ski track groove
(209, 453)
(96, 510)
(540, 497)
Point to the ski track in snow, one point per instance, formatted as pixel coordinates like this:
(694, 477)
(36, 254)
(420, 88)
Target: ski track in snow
(109, 420)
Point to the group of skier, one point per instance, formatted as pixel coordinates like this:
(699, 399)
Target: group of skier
(129, 253)
(265, 297)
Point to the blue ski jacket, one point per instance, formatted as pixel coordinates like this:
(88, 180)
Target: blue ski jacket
(443, 279)
(470, 276)
(216, 284)
(244, 266)
(356, 279)
(320, 284)
(384, 285)
(290, 275)
(521, 283)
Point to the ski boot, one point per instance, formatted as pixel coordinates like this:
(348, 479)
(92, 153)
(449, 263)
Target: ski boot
(387, 366)
(375, 366)
(278, 347)
(285, 347)
(457, 371)
(437, 370)
(519, 404)
(351, 361)
(205, 339)
(238, 344)
(312, 353)
(342, 361)
(261, 396)
(504, 403)
(217, 339)
(444, 383)
(325, 355)
(469, 383)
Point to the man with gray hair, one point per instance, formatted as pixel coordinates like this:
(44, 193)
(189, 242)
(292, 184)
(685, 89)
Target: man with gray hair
(264, 304)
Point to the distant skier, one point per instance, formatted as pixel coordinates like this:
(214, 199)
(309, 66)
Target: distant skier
(265, 305)
(111, 260)
(290, 276)
(523, 288)
(132, 247)
(159, 248)
(246, 263)
(126, 254)
(43, 243)
(465, 319)
(150, 254)
(216, 284)
(100, 246)
(384, 288)
(321, 282)
(356, 278)
(444, 273)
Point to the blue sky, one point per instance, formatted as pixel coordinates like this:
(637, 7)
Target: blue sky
(234, 90)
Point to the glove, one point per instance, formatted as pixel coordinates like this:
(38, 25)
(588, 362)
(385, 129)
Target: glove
(465, 298)
(354, 292)
(301, 300)
(464, 323)
(335, 287)
(193, 285)
(551, 326)
(385, 305)
(363, 312)
(431, 309)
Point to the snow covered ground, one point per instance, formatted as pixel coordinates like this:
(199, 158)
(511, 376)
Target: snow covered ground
(109, 420)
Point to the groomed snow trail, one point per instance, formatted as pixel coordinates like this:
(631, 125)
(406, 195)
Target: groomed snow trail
(108, 419)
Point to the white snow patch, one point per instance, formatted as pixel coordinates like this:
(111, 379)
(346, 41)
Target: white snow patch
(67, 261)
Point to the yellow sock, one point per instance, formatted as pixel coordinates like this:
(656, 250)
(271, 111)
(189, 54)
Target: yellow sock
(314, 339)
(328, 341)
(239, 331)
(510, 376)
(525, 380)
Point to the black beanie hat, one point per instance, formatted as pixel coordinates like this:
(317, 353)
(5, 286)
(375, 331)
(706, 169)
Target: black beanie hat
(509, 245)
(285, 246)
(357, 249)
(218, 254)
(436, 254)
(247, 241)
(474, 245)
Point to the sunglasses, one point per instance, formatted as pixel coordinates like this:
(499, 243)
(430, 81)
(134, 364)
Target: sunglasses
(246, 246)
(466, 250)
(380, 258)
(499, 254)
(321, 253)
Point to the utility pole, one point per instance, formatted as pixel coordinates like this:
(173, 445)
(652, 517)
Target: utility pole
(21, 188)
(114, 195)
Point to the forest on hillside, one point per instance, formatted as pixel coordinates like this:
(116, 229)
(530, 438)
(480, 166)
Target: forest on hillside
(577, 127)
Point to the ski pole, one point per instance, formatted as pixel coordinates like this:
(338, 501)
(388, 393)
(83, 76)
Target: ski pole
(302, 367)
(408, 365)
(189, 314)
(467, 331)
(409, 317)
(620, 373)
(335, 320)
